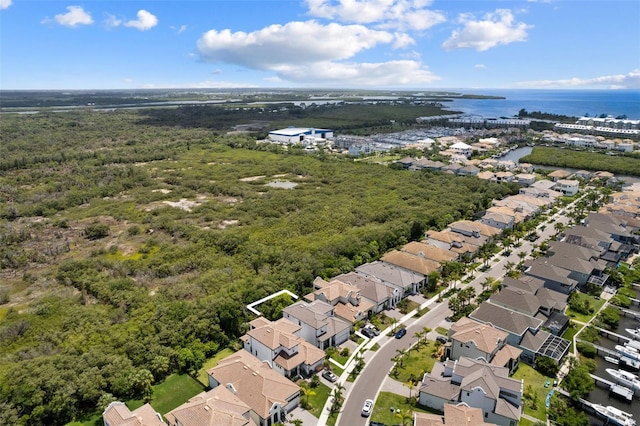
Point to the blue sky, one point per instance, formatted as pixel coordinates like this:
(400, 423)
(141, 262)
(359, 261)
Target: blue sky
(375, 44)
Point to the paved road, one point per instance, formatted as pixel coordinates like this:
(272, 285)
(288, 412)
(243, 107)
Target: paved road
(370, 380)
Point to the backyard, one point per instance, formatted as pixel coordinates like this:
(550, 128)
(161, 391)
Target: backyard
(535, 391)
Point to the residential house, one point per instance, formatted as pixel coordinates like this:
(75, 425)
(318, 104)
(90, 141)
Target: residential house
(414, 263)
(452, 241)
(583, 174)
(269, 395)
(525, 179)
(454, 415)
(217, 407)
(516, 212)
(486, 175)
(556, 175)
(477, 384)
(279, 345)
(503, 177)
(524, 332)
(118, 414)
(461, 148)
(498, 220)
(475, 228)
(475, 340)
(319, 325)
(381, 296)
(568, 187)
(555, 278)
(469, 170)
(344, 297)
(429, 251)
(452, 168)
(405, 280)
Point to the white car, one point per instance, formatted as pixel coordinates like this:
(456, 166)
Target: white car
(367, 408)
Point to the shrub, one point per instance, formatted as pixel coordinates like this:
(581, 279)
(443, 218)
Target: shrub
(95, 231)
(586, 349)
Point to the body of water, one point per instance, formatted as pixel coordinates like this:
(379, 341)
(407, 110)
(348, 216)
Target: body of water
(575, 103)
(518, 153)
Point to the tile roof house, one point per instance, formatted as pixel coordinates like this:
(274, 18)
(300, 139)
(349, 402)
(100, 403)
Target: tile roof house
(118, 414)
(477, 384)
(475, 340)
(454, 415)
(405, 280)
(498, 220)
(277, 343)
(429, 251)
(269, 394)
(525, 179)
(452, 241)
(217, 407)
(474, 228)
(381, 296)
(412, 262)
(514, 323)
(558, 174)
(318, 323)
(344, 297)
(568, 187)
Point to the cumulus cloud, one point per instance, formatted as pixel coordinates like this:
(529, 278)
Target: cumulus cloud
(145, 21)
(630, 80)
(480, 66)
(5, 3)
(112, 21)
(75, 16)
(292, 43)
(399, 14)
(494, 29)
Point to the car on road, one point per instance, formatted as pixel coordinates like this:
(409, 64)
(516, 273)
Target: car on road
(442, 339)
(367, 408)
(532, 237)
(330, 376)
(368, 333)
(400, 333)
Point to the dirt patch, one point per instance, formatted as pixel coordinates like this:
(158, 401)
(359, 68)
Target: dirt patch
(228, 200)
(164, 191)
(225, 223)
(251, 178)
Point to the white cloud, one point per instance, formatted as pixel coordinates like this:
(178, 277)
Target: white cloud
(312, 53)
(495, 29)
(630, 80)
(75, 16)
(383, 74)
(182, 29)
(480, 66)
(5, 3)
(144, 22)
(289, 44)
(399, 14)
(112, 21)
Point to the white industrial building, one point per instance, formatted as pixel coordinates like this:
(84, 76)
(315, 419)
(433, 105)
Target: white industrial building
(297, 135)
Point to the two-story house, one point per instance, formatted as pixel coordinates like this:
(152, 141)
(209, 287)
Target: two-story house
(318, 323)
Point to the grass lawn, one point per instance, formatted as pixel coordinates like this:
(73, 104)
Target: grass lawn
(202, 374)
(375, 347)
(94, 419)
(525, 422)
(386, 400)
(571, 331)
(316, 398)
(416, 363)
(174, 391)
(595, 304)
(536, 380)
(443, 331)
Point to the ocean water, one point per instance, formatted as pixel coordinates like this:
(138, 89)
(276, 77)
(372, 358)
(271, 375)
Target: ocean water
(566, 102)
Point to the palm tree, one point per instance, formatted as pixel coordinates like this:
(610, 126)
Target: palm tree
(509, 266)
(488, 283)
(418, 335)
(522, 255)
(402, 353)
(410, 384)
(406, 417)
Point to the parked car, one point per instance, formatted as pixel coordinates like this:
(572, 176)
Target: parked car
(373, 328)
(330, 376)
(368, 333)
(442, 339)
(367, 408)
(400, 333)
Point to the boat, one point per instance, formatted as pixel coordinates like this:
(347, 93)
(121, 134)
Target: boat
(614, 415)
(635, 332)
(625, 378)
(629, 352)
(635, 344)
(612, 360)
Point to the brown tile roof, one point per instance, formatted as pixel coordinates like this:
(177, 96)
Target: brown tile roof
(118, 414)
(485, 337)
(463, 415)
(217, 407)
(429, 251)
(504, 355)
(424, 419)
(411, 262)
(254, 382)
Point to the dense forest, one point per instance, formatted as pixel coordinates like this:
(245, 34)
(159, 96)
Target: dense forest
(130, 244)
(623, 164)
